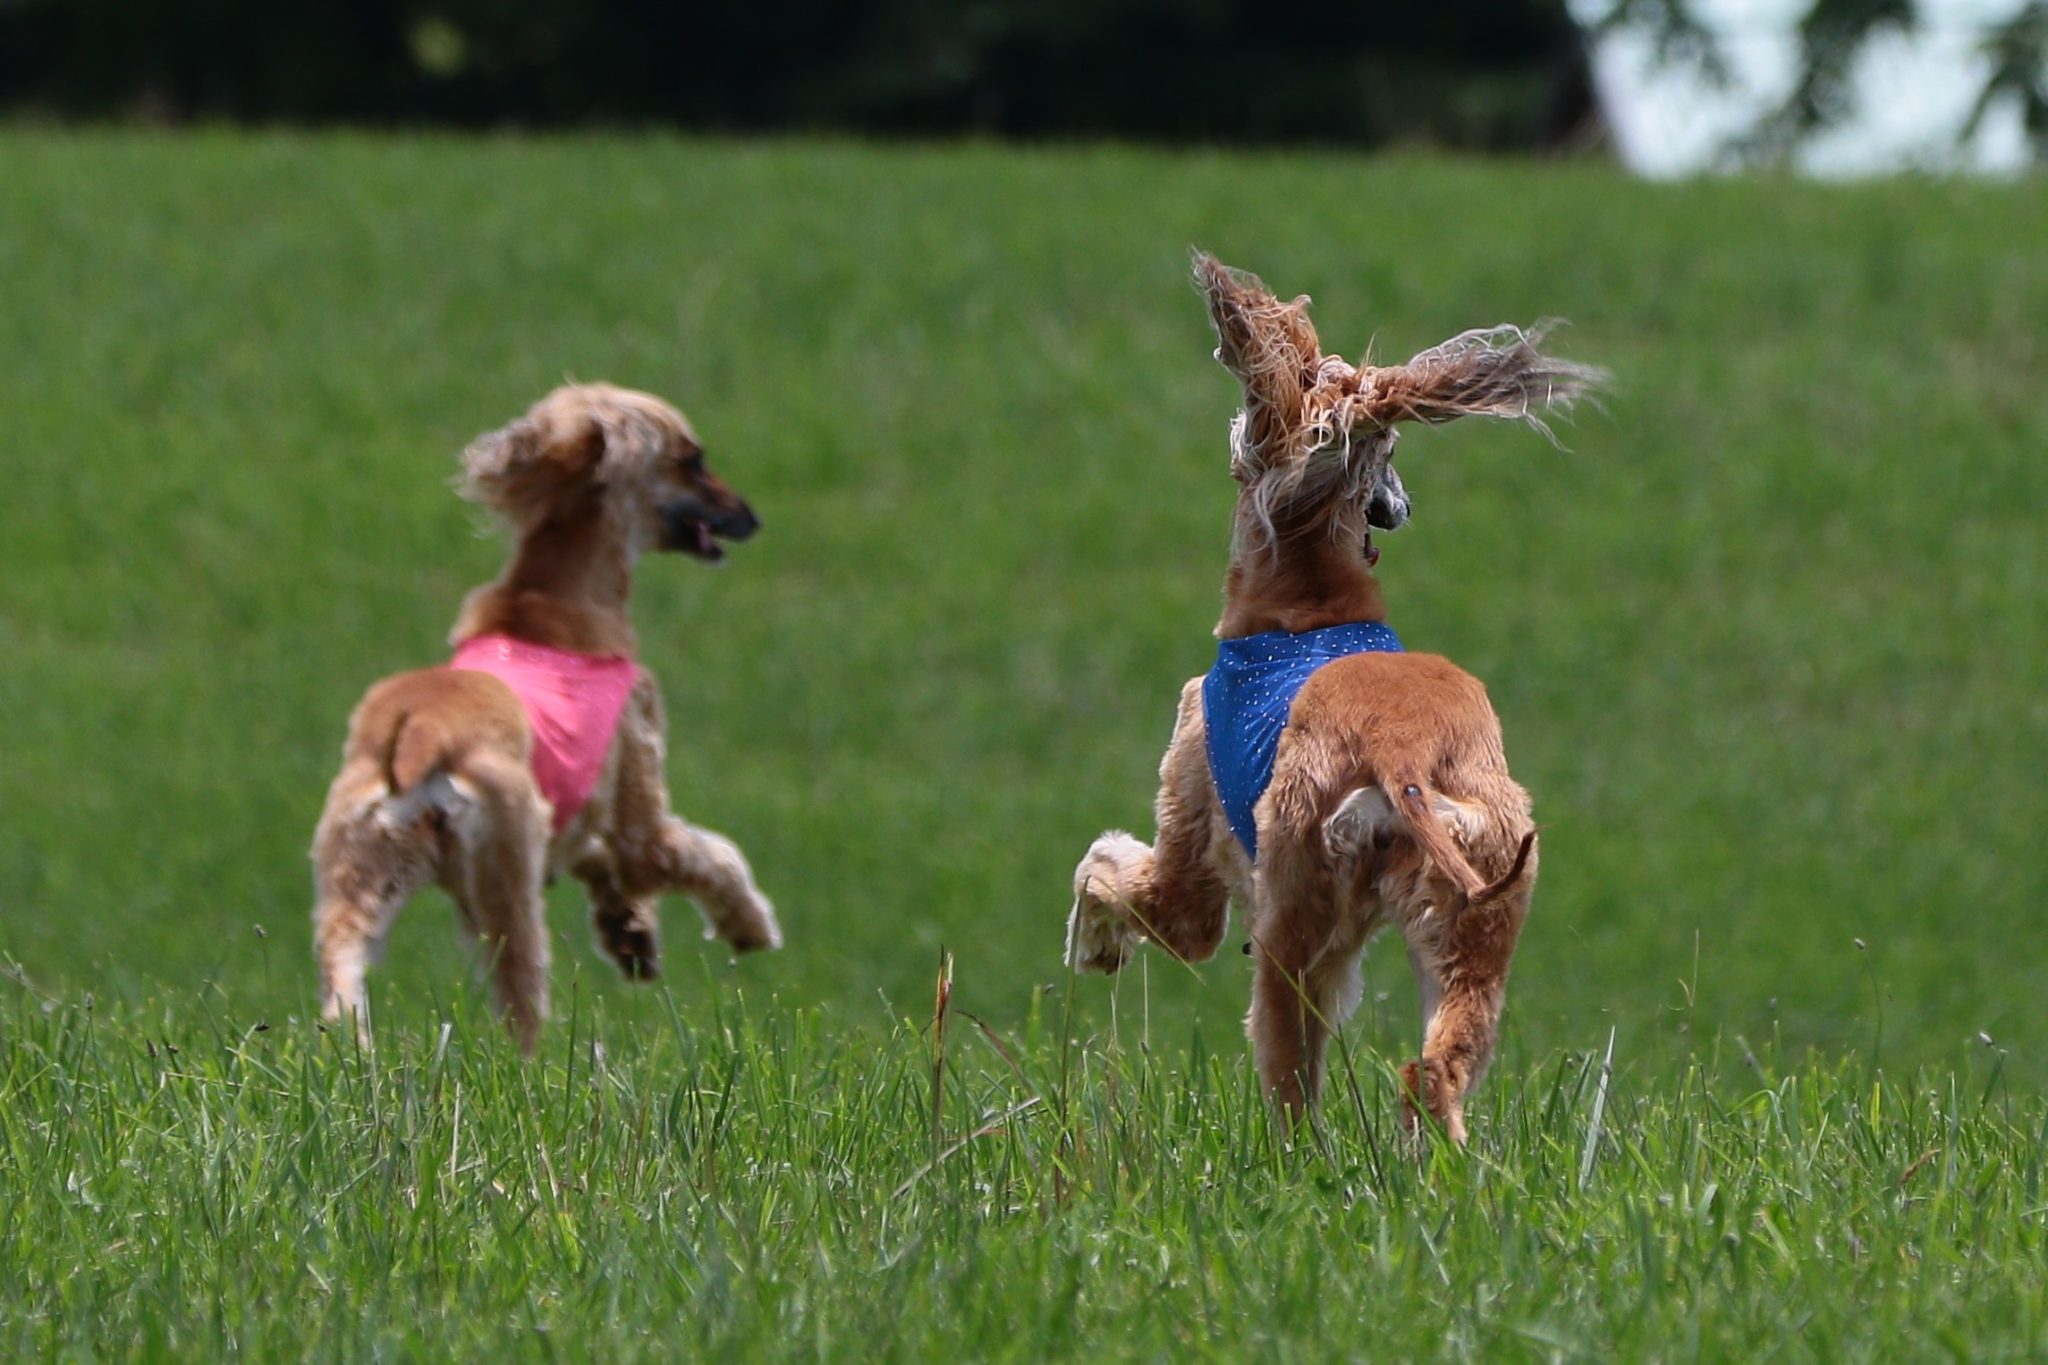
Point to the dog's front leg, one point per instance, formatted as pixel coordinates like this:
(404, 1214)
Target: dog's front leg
(628, 928)
(1306, 980)
(656, 851)
(710, 869)
(1170, 892)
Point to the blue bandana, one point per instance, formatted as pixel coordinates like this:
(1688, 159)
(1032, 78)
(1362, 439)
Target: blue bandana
(1246, 698)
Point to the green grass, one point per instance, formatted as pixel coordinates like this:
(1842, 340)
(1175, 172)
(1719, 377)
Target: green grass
(765, 1189)
(1768, 644)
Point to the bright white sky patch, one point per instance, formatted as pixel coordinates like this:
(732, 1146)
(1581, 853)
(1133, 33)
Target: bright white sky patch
(1912, 93)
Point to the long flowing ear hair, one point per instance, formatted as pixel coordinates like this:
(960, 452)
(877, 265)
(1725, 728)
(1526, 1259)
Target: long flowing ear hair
(1486, 372)
(1272, 349)
(574, 439)
(1316, 429)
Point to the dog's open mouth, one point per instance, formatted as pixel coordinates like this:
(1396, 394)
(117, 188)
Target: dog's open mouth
(693, 535)
(1371, 551)
(703, 544)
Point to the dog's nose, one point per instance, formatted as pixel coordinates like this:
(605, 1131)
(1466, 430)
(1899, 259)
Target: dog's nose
(737, 523)
(1388, 508)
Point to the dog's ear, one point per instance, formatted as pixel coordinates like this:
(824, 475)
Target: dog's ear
(1272, 349)
(523, 469)
(1489, 372)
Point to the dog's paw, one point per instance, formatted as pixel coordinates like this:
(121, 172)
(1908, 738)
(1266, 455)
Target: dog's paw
(1105, 871)
(629, 933)
(756, 939)
(753, 930)
(1425, 1088)
(1097, 939)
(1100, 936)
(638, 959)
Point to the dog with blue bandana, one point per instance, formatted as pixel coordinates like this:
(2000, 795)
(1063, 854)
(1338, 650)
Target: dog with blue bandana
(1325, 779)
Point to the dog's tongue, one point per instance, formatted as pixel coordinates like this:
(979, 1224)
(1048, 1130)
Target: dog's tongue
(1372, 551)
(705, 544)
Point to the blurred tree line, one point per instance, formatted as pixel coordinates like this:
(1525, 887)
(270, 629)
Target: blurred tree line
(1486, 74)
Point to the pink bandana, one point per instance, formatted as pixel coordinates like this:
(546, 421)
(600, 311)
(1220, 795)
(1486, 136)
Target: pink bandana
(573, 702)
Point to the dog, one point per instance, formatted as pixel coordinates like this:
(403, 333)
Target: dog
(1376, 793)
(541, 746)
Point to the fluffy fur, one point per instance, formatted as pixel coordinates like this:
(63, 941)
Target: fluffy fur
(435, 783)
(1390, 801)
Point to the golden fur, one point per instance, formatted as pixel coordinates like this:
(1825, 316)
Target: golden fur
(1390, 800)
(435, 784)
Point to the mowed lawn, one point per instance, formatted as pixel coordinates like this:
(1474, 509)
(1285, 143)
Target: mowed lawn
(1767, 641)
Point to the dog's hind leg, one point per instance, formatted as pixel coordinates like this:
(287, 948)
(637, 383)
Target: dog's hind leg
(1461, 973)
(499, 865)
(1170, 892)
(1456, 1047)
(655, 851)
(371, 852)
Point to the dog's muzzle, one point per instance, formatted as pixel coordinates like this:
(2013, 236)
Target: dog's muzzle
(1387, 509)
(695, 529)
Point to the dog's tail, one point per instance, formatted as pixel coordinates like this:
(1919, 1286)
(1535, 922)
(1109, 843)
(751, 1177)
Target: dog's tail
(419, 776)
(1418, 811)
(416, 749)
(468, 793)
(1404, 802)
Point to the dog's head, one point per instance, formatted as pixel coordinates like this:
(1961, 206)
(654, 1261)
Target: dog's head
(594, 450)
(1316, 435)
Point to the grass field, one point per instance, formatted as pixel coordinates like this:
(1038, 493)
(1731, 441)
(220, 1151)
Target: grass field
(1768, 643)
(766, 1188)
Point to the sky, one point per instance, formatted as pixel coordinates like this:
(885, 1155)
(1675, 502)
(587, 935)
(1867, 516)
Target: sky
(1913, 93)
